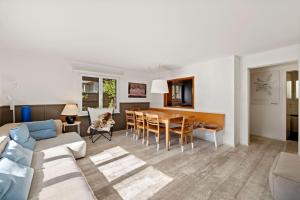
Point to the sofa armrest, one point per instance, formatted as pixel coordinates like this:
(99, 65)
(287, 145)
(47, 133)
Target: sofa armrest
(58, 124)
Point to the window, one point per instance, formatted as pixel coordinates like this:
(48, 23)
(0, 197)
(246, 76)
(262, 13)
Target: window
(181, 93)
(98, 92)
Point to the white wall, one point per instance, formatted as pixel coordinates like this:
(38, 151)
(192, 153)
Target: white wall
(51, 80)
(269, 120)
(214, 90)
(273, 57)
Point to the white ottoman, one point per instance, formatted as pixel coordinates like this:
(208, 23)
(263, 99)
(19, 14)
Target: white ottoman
(284, 177)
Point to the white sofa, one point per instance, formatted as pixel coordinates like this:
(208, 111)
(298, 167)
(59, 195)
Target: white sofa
(56, 174)
(284, 178)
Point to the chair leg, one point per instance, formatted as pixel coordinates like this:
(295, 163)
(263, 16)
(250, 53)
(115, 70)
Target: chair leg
(147, 138)
(157, 142)
(126, 129)
(192, 141)
(182, 147)
(216, 142)
(143, 141)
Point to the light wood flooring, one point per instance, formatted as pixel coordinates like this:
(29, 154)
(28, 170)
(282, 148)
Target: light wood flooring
(204, 173)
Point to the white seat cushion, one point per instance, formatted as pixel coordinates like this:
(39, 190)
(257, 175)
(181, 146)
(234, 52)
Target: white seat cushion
(71, 140)
(59, 177)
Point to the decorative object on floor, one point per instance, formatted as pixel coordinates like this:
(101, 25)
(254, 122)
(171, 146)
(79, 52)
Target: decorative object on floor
(108, 155)
(76, 123)
(137, 90)
(26, 113)
(101, 123)
(118, 168)
(159, 86)
(70, 111)
(265, 87)
(142, 185)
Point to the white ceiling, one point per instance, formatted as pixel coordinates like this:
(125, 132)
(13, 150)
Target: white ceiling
(141, 34)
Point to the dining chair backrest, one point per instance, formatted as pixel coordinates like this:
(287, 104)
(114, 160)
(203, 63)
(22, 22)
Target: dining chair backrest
(130, 116)
(152, 121)
(184, 123)
(187, 125)
(139, 116)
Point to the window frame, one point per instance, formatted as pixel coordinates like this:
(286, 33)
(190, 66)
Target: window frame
(100, 77)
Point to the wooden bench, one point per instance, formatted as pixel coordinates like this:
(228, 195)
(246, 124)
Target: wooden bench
(207, 118)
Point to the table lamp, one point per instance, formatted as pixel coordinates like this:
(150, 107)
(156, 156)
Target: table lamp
(70, 111)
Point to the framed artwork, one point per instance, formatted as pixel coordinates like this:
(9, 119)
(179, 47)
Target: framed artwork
(137, 90)
(265, 87)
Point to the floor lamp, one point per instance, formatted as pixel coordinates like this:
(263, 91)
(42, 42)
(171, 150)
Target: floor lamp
(12, 107)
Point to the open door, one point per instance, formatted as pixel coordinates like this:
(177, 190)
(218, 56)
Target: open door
(292, 101)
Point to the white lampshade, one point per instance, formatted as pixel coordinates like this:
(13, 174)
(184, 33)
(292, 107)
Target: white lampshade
(70, 110)
(159, 86)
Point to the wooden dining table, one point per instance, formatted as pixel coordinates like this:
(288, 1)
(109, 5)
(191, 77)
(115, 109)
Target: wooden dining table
(164, 118)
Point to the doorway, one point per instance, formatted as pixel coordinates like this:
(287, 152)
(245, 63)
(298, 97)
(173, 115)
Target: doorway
(292, 102)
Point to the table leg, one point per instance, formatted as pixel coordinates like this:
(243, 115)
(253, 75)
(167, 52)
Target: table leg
(78, 129)
(167, 124)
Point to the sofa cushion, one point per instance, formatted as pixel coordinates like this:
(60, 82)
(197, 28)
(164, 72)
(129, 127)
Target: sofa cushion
(21, 135)
(17, 153)
(3, 141)
(49, 157)
(59, 178)
(71, 140)
(284, 178)
(17, 179)
(288, 166)
(42, 129)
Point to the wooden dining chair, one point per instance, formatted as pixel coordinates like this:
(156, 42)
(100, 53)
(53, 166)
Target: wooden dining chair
(130, 121)
(140, 125)
(184, 131)
(153, 127)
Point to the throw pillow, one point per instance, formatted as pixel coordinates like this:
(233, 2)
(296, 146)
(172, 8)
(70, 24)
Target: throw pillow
(17, 153)
(21, 135)
(16, 178)
(42, 129)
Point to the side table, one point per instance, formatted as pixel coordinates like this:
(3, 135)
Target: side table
(76, 123)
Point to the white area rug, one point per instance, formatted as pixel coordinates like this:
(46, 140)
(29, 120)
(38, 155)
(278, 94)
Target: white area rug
(142, 185)
(120, 167)
(107, 155)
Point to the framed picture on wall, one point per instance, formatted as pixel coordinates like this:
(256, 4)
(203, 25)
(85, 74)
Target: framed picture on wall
(265, 87)
(137, 90)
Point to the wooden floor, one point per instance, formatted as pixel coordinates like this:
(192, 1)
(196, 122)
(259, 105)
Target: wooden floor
(204, 173)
